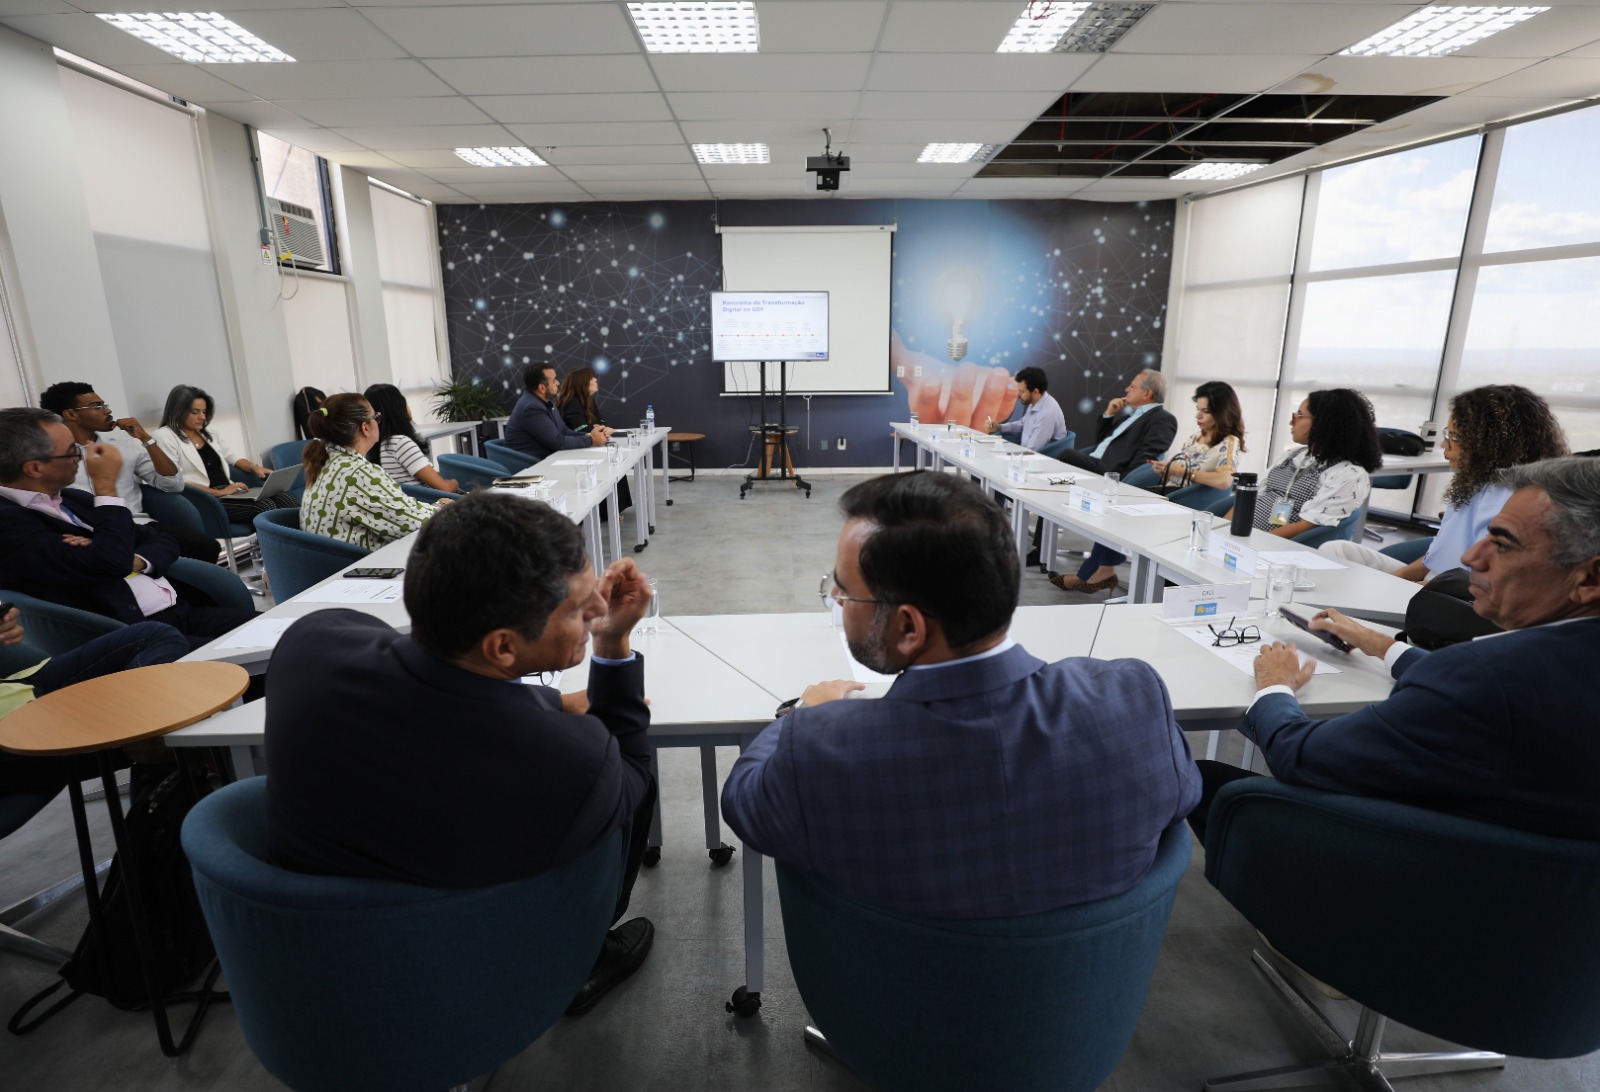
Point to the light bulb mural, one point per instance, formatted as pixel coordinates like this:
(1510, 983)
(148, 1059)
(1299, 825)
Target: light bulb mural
(959, 294)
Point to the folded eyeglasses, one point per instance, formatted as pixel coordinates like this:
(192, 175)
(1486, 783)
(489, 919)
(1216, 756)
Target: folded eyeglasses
(1228, 636)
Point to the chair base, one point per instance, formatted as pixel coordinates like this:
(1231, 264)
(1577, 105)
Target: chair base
(1360, 1059)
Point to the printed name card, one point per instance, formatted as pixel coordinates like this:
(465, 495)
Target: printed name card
(1204, 601)
(1232, 555)
(969, 450)
(1016, 471)
(560, 504)
(1085, 500)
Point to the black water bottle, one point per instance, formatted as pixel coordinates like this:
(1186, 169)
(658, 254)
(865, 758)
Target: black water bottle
(1244, 505)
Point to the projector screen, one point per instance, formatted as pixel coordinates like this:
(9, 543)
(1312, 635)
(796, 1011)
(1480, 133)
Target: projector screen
(769, 326)
(852, 266)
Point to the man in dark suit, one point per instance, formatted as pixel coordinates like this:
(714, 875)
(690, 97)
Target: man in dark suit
(1500, 728)
(986, 782)
(423, 758)
(535, 428)
(84, 550)
(1133, 430)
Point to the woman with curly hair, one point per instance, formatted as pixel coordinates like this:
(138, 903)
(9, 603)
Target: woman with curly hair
(1489, 429)
(1322, 482)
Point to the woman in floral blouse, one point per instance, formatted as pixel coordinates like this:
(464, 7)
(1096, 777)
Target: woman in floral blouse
(347, 497)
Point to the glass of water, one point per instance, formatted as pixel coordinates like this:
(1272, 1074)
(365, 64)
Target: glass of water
(1113, 486)
(1280, 588)
(1199, 532)
(651, 622)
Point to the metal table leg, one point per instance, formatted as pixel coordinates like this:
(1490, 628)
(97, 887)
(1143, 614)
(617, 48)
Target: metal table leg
(614, 524)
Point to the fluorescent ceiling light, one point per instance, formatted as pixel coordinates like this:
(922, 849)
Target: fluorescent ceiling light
(1071, 28)
(1216, 172)
(697, 26)
(500, 157)
(196, 36)
(955, 153)
(731, 153)
(1435, 31)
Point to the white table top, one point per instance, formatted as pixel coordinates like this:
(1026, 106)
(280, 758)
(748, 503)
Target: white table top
(1429, 462)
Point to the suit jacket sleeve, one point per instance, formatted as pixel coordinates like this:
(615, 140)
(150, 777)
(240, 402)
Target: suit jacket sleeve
(761, 800)
(1440, 733)
(1157, 436)
(616, 699)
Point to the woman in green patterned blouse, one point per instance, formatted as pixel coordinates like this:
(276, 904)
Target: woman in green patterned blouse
(347, 497)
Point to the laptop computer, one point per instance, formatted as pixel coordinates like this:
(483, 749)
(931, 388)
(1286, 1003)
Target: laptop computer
(277, 482)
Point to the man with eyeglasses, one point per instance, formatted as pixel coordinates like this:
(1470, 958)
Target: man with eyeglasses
(81, 550)
(986, 782)
(90, 420)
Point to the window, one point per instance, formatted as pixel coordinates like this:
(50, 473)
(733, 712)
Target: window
(1536, 324)
(1407, 207)
(298, 180)
(1545, 193)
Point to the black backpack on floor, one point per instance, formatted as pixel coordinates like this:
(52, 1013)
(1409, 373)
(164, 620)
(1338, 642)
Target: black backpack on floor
(181, 945)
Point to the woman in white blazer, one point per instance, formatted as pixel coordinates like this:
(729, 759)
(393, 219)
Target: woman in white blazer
(204, 459)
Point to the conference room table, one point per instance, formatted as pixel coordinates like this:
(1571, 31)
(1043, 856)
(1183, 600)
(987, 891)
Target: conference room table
(449, 430)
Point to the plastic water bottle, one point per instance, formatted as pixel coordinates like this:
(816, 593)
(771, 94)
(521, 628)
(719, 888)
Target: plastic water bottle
(650, 417)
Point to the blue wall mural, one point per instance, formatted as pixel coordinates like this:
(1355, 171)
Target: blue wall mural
(1076, 288)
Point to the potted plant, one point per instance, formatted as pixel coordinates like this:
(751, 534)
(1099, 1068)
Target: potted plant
(469, 400)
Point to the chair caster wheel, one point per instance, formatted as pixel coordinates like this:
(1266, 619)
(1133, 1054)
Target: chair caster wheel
(721, 855)
(652, 856)
(640, 549)
(652, 528)
(744, 1002)
(669, 504)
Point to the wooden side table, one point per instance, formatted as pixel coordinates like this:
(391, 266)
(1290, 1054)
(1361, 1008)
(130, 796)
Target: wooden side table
(93, 718)
(688, 440)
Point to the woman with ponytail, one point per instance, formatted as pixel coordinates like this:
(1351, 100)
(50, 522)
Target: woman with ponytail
(347, 497)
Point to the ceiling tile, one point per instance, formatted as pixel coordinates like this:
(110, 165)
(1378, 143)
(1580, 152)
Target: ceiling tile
(953, 105)
(427, 159)
(90, 38)
(229, 6)
(546, 75)
(982, 130)
(789, 167)
(441, 110)
(366, 160)
(1562, 78)
(560, 134)
(331, 79)
(977, 71)
(506, 30)
(1022, 187)
(611, 172)
(728, 187)
(828, 26)
(396, 137)
(522, 191)
(315, 140)
(773, 131)
(185, 81)
(943, 27)
(645, 188)
(35, 7)
(822, 107)
(762, 71)
(1544, 35)
(1191, 74)
(1477, 109)
(619, 153)
(263, 115)
(608, 107)
(1398, 75)
(464, 174)
(320, 34)
(1257, 28)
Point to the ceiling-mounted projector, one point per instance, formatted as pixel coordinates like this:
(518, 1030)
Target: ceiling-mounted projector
(828, 168)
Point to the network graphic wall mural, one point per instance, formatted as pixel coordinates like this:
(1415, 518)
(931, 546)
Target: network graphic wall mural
(1076, 288)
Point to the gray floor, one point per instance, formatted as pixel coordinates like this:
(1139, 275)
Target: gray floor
(1208, 1012)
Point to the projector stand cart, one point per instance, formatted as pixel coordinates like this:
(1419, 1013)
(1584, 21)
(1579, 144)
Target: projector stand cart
(775, 437)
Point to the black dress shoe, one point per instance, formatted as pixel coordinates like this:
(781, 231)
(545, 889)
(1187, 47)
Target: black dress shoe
(621, 955)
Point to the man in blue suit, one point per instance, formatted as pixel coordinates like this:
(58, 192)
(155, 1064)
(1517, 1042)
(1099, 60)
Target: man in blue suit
(986, 782)
(1500, 728)
(536, 428)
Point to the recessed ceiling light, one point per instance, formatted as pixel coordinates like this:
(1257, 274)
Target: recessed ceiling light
(697, 26)
(1216, 172)
(1435, 31)
(500, 157)
(731, 153)
(955, 153)
(1071, 28)
(196, 36)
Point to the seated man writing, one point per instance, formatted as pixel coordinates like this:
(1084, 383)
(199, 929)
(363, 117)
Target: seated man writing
(1499, 728)
(424, 759)
(986, 782)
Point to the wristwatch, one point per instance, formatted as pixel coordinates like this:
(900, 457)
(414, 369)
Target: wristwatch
(790, 706)
(150, 442)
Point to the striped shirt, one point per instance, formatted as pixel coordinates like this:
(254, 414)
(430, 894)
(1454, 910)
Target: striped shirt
(401, 458)
(356, 502)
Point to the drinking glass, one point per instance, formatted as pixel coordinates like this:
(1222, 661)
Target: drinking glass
(1113, 485)
(915, 424)
(651, 622)
(1280, 588)
(1199, 532)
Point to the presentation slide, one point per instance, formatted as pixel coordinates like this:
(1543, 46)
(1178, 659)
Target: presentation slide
(769, 326)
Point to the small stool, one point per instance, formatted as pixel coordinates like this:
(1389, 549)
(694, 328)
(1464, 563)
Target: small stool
(687, 438)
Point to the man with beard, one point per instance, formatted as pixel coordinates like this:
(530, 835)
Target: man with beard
(986, 782)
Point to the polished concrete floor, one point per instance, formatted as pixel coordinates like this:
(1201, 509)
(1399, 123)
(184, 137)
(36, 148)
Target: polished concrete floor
(1208, 1012)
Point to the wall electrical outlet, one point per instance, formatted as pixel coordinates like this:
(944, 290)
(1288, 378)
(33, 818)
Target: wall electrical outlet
(841, 443)
(900, 371)
(916, 371)
(824, 445)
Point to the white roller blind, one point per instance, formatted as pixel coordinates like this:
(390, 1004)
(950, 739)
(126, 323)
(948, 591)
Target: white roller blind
(317, 317)
(408, 260)
(853, 266)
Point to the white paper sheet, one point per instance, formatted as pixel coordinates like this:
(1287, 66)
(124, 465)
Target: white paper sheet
(355, 591)
(1242, 657)
(1306, 559)
(262, 633)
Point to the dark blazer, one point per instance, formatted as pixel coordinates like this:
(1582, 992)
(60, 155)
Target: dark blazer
(535, 428)
(1147, 438)
(387, 763)
(36, 561)
(993, 788)
(1501, 729)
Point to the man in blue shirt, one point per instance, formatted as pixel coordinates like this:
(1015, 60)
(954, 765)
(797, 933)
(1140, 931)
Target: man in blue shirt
(986, 782)
(535, 428)
(1041, 422)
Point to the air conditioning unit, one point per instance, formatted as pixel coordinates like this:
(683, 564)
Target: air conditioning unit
(298, 236)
